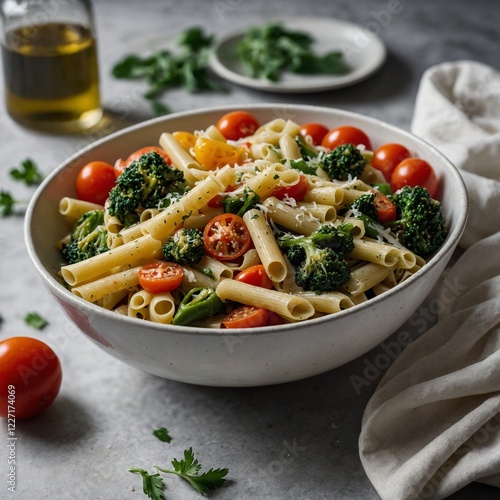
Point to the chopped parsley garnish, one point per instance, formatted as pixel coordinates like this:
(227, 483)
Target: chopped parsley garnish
(34, 320)
(162, 434)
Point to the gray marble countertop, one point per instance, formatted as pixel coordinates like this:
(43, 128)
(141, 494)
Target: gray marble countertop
(292, 441)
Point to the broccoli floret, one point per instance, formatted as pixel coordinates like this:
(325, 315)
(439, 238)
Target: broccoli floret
(318, 259)
(88, 238)
(420, 224)
(366, 205)
(240, 204)
(344, 161)
(143, 184)
(185, 247)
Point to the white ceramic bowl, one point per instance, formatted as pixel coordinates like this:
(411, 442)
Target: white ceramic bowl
(260, 356)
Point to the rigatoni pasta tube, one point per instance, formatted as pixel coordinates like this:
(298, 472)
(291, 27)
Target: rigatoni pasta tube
(180, 158)
(328, 302)
(289, 217)
(73, 208)
(162, 308)
(382, 254)
(289, 147)
(288, 306)
(265, 244)
(97, 289)
(365, 277)
(131, 254)
(166, 222)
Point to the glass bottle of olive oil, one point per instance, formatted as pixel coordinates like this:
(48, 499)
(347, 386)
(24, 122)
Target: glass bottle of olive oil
(51, 75)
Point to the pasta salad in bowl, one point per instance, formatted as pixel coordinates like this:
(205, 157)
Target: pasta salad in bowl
(242, 246)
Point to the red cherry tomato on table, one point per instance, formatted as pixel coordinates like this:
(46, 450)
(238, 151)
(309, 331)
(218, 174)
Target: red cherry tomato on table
(237, 124)
(386, 210)
(415, 172)
(245, 317)
(315, 130)
(94, 182)
(387, 157)
(255, 275)
(121, 165)
(296, 191)
(30, 377)
(160, 277)
(226, 237)
(346, 135)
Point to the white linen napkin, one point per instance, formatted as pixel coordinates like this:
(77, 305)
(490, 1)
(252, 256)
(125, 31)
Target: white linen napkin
(433, 424)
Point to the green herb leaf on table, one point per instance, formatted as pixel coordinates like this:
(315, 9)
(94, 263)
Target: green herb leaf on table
(27, 172)
(267, 51)
(162, 434)
(188, 469)
(152, 484)
(34, 320)
(163, 70)
(7, 203)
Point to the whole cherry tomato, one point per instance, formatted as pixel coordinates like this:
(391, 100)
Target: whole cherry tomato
(346, 135)
(415, 172)
(316, 131)
(30, 377)
(387, 157)
(237, 124)
(94, 182)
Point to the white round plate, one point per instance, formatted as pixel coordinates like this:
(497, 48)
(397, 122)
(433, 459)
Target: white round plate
(363, 51)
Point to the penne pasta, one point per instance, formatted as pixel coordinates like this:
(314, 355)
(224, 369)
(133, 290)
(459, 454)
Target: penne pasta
(289, 306)
(265, 243)
(261, 195)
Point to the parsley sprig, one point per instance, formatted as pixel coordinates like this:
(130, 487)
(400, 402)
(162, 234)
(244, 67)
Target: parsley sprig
(188, 469)
(29, 173)
(152, 484)
(163, 70)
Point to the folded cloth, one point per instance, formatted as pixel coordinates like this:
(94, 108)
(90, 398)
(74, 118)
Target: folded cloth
(433, 424)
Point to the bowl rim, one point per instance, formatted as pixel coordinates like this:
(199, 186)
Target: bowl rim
(58, 289)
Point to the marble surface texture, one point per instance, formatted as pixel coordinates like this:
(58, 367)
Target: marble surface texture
(292, 441)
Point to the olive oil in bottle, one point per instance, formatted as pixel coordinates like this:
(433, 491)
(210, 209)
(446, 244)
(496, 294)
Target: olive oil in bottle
(51, 77)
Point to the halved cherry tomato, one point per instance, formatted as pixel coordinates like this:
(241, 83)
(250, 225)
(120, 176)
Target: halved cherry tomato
(94, 182)
(226, 237)
(316, 131)
(386, 210)
(345, 135)
(185, 139)
(121, 165)
(216, 154)
(30, 377)
(415, 172)
(160, 276)
(296, 191)
(245, 317)
(387, 157)
(255, 275)
(237, 124)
